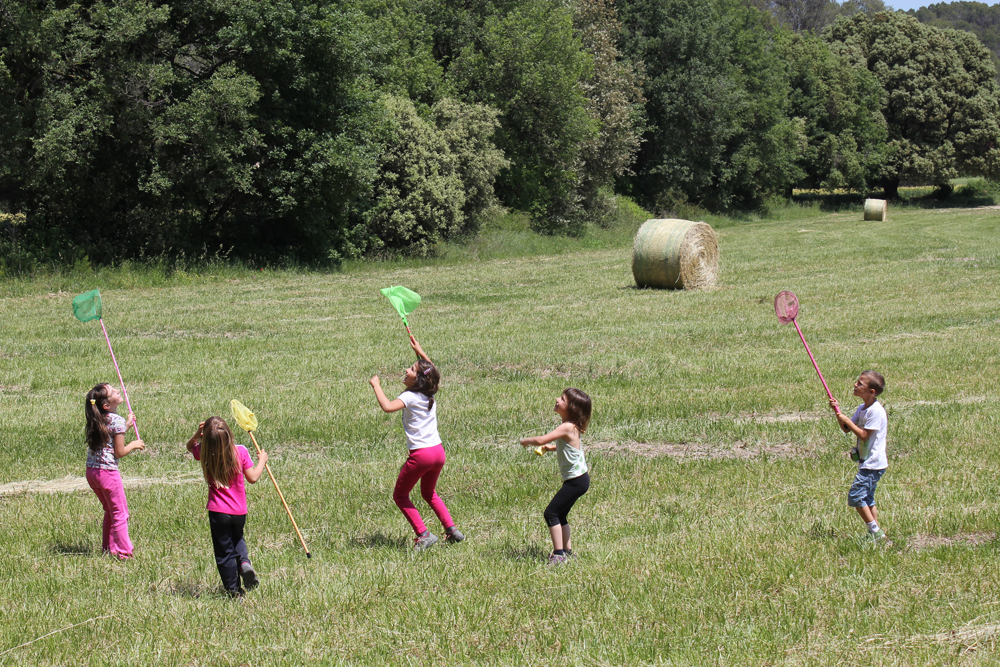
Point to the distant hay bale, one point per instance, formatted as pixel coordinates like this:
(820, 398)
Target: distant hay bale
(676, 254)
(876, 209)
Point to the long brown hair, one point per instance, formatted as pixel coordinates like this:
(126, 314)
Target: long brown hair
(96, 430)
(219, 462)
(577, 408)
(428, 379)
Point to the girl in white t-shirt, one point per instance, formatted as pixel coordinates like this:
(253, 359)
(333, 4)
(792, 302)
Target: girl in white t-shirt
(426, 459)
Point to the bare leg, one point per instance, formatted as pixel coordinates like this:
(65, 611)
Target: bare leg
(557, 537)
(874, 512)
(565, 537)
(866, 513)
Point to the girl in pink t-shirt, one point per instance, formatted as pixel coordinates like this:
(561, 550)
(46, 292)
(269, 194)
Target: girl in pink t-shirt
(426, 459)
(225, 465)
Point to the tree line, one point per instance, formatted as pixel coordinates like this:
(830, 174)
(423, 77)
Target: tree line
(287, 130)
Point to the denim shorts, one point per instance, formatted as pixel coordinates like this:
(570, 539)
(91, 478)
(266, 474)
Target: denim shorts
(862, 493)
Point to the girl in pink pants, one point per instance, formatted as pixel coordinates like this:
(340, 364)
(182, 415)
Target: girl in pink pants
(426, 459)
(105, 432)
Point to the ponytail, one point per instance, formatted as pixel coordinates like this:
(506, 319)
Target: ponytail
(428, 379)
(96, 429)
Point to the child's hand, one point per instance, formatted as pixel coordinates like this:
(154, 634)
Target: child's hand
(138, 444)
(843, 419)
(527, 442)
(130, 421)
(262, 457)
(835, 405)
(199, 432)
(374, 382)
(417, 349)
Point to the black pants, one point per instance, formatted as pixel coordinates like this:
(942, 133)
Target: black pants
(229, 546)
(562, 503)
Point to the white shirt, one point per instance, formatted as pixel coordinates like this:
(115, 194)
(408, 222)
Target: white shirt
(872, 451)
(419, 423)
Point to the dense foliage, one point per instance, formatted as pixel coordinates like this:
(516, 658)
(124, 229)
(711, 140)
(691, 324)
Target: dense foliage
(976, 17)
(287, 130)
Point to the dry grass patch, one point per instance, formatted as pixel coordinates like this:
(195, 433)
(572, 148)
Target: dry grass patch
(962, 539)
(699, 450)
(71, 483)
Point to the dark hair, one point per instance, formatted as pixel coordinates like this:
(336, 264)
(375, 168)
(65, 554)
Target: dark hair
(875, 381)
(428, 379)
(219, 462)
(96, 430)
(577, 408)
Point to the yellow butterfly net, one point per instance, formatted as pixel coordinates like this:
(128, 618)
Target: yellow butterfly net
(241, 413)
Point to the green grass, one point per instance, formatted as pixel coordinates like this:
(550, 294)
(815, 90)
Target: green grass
(740, 552)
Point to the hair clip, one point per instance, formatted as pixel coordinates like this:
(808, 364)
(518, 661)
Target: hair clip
(93, 402)
(427, 372)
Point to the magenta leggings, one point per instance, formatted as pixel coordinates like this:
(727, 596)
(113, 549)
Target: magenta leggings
(424, 465)
(107, 484)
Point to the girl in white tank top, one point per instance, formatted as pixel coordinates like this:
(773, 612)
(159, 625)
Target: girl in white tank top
(574, 408)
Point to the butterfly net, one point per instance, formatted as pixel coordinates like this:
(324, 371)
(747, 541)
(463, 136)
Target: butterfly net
(786, 307)
(246, 419)
(87, 306)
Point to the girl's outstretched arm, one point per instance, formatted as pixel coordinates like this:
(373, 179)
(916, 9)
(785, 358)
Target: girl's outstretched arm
(545, 441)
(419, 350)
(122, 450)
(253, 474)
(383, 400)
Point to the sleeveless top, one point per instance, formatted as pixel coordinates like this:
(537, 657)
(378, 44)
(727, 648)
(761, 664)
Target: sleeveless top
(572, 463)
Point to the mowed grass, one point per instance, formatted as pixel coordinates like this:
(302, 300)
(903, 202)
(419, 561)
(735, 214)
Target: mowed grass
(734, 546)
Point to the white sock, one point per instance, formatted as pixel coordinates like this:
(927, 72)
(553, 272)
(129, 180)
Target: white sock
(872, 527)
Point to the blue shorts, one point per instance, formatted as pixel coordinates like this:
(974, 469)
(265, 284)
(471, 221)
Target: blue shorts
(862, 493)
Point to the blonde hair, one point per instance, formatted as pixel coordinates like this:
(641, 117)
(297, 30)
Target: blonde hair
(219, 461)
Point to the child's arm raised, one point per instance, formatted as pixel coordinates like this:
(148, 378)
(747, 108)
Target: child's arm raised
(196, 438)
(544, 442)
(383, 400)
(253, 474)
(121, 449)
(419, 350)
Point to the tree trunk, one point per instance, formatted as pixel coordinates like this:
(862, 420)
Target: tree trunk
(891, 186)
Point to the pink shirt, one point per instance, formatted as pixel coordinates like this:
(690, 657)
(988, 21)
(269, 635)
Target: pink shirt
(231, 500)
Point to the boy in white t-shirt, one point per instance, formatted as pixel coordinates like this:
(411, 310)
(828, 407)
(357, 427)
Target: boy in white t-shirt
(870, 424)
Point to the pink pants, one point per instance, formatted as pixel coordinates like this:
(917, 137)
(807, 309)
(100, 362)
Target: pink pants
(424, 465)
(107, 484)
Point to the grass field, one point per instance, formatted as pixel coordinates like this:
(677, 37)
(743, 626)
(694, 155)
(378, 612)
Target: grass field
(715, 532)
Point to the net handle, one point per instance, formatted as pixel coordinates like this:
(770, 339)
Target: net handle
(135, 424)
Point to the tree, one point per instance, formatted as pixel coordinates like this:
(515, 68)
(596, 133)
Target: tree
(434, 176)
(145, 128)
(614, 101)
(941, 97)
(840, 106)
(717, 96)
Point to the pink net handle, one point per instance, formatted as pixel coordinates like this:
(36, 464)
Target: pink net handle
(786, 307)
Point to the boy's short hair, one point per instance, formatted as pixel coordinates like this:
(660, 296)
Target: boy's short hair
(875, 381)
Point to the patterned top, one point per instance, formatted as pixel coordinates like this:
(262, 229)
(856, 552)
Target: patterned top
(104, 458)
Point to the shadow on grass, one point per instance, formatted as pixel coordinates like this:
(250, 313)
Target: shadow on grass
(191, 589)
(378, 541)
(74, 549)
(523, 553)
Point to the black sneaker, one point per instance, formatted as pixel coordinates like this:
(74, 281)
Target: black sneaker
(250, 580)
(453, 535)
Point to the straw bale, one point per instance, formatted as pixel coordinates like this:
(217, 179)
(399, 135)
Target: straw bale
(876, 209)
(675, 254)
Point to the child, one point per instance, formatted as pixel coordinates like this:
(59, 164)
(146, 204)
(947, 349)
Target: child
(105, 432)
(426, 459)
(225, 465)
(869, 423)
(574, 409)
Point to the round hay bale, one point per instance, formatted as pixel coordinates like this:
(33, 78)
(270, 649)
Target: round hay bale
(676, 254)
(876, 209)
